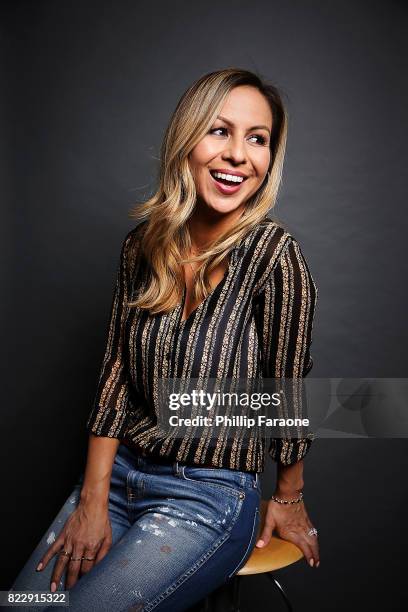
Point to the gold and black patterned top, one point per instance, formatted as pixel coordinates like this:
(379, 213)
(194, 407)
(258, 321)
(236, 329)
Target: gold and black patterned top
(257, 322)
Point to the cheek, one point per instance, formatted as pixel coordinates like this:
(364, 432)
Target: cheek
(205, 151)
(197, 155)
(200, 158)
(262, 161)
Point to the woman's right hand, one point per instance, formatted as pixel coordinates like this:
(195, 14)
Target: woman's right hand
(86, 533)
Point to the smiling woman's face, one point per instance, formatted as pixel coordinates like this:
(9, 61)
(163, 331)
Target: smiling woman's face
(237, 145)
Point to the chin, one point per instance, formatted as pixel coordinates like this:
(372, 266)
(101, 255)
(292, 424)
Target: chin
(224, 208)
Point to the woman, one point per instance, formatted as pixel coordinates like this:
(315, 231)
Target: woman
(207, 287)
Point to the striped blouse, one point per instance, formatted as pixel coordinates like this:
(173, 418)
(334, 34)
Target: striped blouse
(256, 323)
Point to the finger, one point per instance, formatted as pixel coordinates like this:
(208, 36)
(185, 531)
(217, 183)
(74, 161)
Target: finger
(307, 550)
(314, 545)
(60, 566)
(51, 552)
(104, 549)
(89, 561)
(266, 533)
(299, 539)
(74, 566)
(105, 546)
(313, 542)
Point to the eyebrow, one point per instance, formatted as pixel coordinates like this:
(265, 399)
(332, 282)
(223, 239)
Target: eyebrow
(254, 127)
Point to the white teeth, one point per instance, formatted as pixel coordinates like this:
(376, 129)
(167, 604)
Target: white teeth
(228, 177)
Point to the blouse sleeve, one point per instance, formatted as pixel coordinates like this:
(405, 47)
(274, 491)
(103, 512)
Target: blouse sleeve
(109, 414)
(286, 307)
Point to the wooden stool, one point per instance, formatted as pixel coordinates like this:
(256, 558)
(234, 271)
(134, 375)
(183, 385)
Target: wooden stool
(278, 553)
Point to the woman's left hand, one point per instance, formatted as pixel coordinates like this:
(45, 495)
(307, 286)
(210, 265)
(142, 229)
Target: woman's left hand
(291, 523)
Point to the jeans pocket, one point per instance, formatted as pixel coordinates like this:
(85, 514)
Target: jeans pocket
(251, 543)
(217, 478)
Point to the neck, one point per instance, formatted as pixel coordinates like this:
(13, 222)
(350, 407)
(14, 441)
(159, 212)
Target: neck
(205, 226)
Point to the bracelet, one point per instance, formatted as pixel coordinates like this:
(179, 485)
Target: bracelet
(285, 501)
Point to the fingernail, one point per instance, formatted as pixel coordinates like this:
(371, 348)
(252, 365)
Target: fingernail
(317, 564)
(311, 562)
(53, 587)
(39, 566)
(260, 543)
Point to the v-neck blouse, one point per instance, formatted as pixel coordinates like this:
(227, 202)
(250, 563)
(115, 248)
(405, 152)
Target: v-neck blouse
(256, 323)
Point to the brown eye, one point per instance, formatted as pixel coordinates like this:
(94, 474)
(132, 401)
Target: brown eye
(217, 130)
(261, 139)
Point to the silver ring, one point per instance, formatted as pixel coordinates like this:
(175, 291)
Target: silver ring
(312, 531)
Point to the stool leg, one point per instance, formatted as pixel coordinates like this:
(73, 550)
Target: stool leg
(281, 591)
(236, 593)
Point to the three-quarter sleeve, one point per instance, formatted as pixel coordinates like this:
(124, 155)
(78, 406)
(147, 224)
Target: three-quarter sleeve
(285, 313)
(110, 411)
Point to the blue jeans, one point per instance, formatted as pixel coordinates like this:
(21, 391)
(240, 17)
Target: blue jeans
(179, 531)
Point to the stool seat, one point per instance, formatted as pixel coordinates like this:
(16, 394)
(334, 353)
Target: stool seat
(278, 553)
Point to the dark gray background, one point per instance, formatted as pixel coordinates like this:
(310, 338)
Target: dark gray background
(87, 91)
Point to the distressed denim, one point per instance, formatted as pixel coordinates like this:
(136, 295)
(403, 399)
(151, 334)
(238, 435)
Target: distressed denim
(179, 531)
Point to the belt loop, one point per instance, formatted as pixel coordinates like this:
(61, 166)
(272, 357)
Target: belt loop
(176, 468)
(256, 481)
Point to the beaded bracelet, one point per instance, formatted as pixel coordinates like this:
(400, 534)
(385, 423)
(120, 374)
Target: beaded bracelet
(285, 501)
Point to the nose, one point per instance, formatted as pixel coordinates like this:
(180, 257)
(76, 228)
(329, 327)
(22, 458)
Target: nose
(235, 150)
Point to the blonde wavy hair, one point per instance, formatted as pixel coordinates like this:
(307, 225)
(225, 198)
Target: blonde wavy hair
(166, 238)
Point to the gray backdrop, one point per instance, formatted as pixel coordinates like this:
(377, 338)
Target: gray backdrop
(88, 88)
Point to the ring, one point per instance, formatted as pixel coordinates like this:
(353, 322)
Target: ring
(76, 559)
(312, 531)
(64, 552)
(88, 558)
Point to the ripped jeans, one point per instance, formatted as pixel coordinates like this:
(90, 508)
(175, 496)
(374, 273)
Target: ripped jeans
(179, 532)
